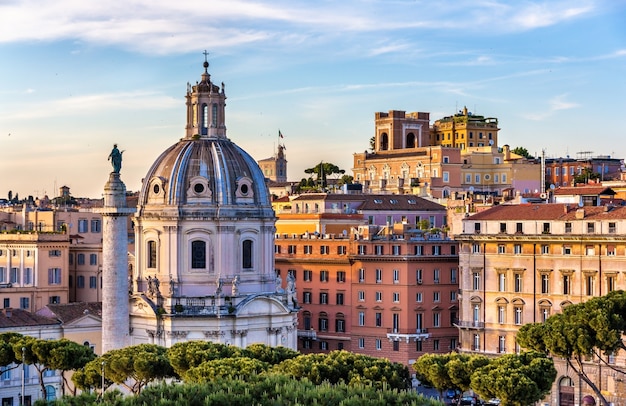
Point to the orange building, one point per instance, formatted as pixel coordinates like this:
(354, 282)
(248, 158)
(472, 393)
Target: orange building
(378, 291)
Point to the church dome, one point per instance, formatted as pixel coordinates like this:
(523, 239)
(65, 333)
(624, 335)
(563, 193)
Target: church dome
(205, 170)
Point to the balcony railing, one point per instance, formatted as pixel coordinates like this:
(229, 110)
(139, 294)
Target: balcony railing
(470, 324)
(310, 334)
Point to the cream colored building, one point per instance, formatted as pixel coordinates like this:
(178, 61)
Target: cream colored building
(522, 263)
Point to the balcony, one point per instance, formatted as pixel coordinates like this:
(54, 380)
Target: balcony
(308, 334)
(470, 325)
(396, 334)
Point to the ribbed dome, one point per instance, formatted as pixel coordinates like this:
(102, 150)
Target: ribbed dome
(206, 173)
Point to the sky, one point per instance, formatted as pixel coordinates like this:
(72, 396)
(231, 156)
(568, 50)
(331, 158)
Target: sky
(78, 76)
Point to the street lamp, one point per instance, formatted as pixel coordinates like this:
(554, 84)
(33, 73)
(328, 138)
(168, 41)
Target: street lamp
(23, 374)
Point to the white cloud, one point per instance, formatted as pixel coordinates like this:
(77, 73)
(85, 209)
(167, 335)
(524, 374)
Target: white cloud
(555, 104)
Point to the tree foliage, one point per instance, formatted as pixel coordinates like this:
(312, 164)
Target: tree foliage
(347, 367)
(515, 379)
(322, 171)
(132, 367)
(240, 367)
(522, 151)
(186, 355)
(593, 328)
(451, 370)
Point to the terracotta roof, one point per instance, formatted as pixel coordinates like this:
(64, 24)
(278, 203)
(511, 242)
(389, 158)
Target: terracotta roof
(12, 318)
(66, 313)
(399, 202)
(563, 212)
(584, 190)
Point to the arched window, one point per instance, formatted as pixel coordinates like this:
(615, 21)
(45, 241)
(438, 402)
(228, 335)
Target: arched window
(51, 393)
(246, 254)
(214, 115)
(205, 118)
(198, 254)
(152, 257)
(384, 142)
(410, 140)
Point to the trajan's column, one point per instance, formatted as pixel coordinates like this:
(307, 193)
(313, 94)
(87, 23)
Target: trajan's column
(115, 319)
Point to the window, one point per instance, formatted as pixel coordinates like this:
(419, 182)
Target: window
(591, 227)
(503, 227)
(379, 296)
(590, 282)
(476, 281)
(341, 250)
(28, 276)
(198, 254)
(436, 319)
(340, 325)
(446, 176)
(436, 296)
(468, 178)
(361, 318)
(418, 297)
(93, 259)
(323, 276)
(379, 319)
(502, 282)
(476, 248)
(308, 249)
(567, 250)
(501, 249)
(590, 250)
(476, 342)
(54, 299)
(339, 298)
(546, 228)
(24, 303)
(291, 249)
(568, 228)
(476, 178)
(361, 343)
(54, 253)
(3, 275)
(418, 275)
(379, 276)
(54, 276)
(378, 250)
(476, 314)
(14, 276)
(379, 344)
(276, 249)
(395, 250)
(83, 225)
(323, 297)
(517, 248)
(453, 296)
(610, 250)
(362, 249)
(306, 297)
(323, 322)
(96, 226)
(567, 285)
(80, 259)
(519, 228)
(436, 275)
(501, 344)
(92, 282)
(436, 249)
(612, 228)
(501, 314)
(324, 249)
(152, 254)
(396, 276)
(80, 281)
(396, 297)
(341, 276)
(518, 282)
(247, 254)
(418, 345)
(518, 315)
(361, 275)
(545, 313)
(545, 283)
(323, 345)
(308, 275)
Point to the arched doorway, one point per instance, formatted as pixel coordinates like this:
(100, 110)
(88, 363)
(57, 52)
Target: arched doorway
(566, 391)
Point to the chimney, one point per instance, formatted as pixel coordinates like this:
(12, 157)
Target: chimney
(566, 208)
(8, 312)
(580, 214)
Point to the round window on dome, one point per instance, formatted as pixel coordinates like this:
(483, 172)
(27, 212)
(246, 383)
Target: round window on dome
(156, 189)
(244, 189)
(198, 188)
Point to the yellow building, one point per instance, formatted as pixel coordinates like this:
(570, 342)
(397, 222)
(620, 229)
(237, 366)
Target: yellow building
(522, 263)
(465, 130)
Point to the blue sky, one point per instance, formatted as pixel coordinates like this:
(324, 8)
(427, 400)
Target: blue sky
(77, 76)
